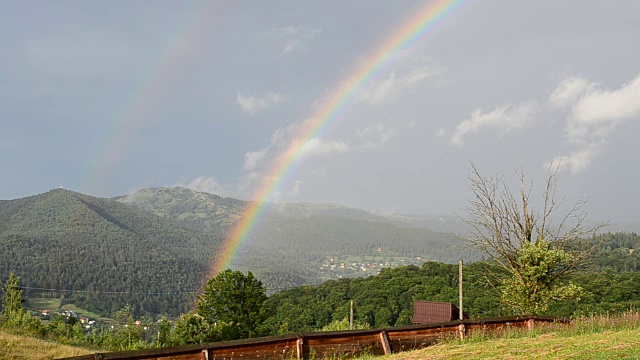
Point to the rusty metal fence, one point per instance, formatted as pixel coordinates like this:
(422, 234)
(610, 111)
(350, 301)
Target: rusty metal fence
(318, 345)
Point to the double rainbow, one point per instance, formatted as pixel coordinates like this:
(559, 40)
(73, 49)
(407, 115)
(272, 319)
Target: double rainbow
(413, 30)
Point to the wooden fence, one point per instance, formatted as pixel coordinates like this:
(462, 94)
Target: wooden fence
(318, 345)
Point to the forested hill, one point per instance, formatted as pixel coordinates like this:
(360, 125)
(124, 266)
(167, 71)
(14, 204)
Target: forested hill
(66, 240)
(197, 210)
(296, 241)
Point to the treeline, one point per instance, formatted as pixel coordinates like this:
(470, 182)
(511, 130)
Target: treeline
(111, 253)
(610, 279)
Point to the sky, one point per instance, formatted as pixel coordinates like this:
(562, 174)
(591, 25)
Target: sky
(106, 98)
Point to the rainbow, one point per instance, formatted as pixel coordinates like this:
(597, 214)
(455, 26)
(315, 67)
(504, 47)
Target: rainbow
(153, 88)
(412, 31)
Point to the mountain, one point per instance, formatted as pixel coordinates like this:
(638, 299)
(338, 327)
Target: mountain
(99, 247)
(197, 210)
(296, 241)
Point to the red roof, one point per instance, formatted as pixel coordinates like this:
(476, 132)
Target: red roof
(425, 312)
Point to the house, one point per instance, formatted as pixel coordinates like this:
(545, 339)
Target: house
(427, 312)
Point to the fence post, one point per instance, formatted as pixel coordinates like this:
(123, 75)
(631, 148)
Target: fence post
(300, 349)
(462, 329)
(351, 316)
(530, 323)
(204, 355)
(384, 339)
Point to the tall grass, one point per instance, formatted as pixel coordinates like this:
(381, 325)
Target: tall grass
(23, 347)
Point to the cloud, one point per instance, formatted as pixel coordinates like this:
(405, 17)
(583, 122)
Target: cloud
(253, 104)
(595, 115)
(569, 90)
(579, 160)
(505, 118)
(386, 89)
(376, 135)
(319, 147)
(291, 38)
(204, 184)
(251, 159)
(441, 132)
(283, 141)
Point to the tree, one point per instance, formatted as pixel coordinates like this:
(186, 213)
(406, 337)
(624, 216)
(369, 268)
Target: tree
(12, 308)
(236, 301)
(535, 254)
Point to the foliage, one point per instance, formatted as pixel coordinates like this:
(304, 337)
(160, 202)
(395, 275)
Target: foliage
(66, 240)
(536, 285)
(524, 243)
(12, 309)
(235, 301)
(194, 329)
(343, 324)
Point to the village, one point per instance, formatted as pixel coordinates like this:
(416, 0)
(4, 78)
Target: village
(362, 266)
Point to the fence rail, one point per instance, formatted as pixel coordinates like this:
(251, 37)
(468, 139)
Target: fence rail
(328, 344)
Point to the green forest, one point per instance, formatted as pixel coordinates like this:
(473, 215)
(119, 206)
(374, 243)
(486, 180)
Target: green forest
(104, 254)
(153, 249)
(610, 279)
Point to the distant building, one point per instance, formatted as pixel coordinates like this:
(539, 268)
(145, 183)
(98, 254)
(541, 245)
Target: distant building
(427, 312)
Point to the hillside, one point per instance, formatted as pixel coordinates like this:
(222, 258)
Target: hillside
(24, 347)
(66, 240)
(295, 242)
(197, 210)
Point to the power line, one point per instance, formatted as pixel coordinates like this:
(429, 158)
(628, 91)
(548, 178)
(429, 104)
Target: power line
(101, 292)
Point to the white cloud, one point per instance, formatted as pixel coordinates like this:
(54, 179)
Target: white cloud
(319, 147)
(441, 132)
(205, 184)
(292, 38)
(505, 118)
(254, 104)
(286, 139)
(376, 135)
(579, 160)
(595, 115)
(251, 159)
(569, 90)
(383, 90)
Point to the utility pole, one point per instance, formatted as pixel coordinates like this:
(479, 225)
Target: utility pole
(460, 281)
(351, 317)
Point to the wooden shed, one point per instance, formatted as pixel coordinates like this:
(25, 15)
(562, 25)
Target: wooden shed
(426, 312)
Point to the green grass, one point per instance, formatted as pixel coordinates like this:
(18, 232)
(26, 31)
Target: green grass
(54, 305)
(602, 337)
(82, 312)
(44, 304)
(16, 347)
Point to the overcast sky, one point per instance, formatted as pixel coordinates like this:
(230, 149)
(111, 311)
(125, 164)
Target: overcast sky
(109, 97)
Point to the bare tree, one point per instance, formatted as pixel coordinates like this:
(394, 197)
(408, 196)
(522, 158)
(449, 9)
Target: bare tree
(524, 241)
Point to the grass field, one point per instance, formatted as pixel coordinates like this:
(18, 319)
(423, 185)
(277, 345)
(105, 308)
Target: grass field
(591, 338)
(54, 305)
(42, 304)
(16, 347)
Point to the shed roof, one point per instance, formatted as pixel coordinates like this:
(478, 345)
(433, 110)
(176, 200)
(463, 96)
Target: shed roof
(425, 312)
